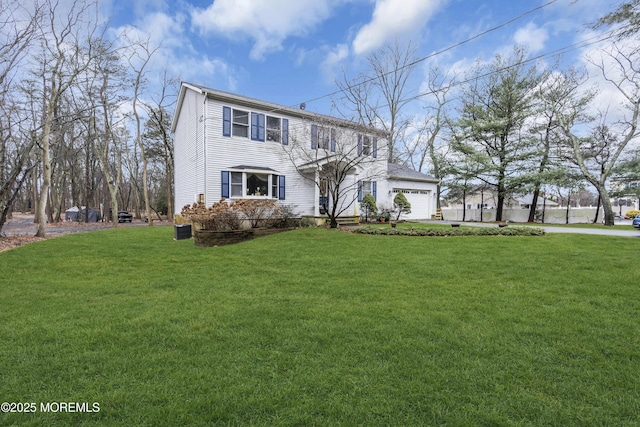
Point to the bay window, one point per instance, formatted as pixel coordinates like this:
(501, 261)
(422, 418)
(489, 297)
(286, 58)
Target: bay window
(252, 184)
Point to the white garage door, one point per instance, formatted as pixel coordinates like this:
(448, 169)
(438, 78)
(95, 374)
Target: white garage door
(421, 203)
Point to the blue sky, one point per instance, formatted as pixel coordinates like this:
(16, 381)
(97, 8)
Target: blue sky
(291, 51)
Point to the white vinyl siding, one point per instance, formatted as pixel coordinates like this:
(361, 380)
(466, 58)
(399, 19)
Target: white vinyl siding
(189, 154)
(225, 153)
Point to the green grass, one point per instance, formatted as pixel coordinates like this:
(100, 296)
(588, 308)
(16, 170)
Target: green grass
(320, 327)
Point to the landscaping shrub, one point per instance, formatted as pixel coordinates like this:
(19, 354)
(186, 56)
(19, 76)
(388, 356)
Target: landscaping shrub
(442, 232)
(401, 204)
(220, 216)
(289, 218)
(235, 215)
(259, 213)
(369, 207)
(632, 213)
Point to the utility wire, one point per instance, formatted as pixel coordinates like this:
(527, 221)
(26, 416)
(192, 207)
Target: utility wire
(440, 52)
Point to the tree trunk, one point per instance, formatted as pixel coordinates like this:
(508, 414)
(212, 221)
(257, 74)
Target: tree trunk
(609, 216)
(46, 180)
(595, 219)
(534, 204)
(499, 208)
(464, 205)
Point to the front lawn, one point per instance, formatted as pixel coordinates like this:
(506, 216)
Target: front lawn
(321, 327)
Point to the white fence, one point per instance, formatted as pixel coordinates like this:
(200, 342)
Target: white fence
(551, 216)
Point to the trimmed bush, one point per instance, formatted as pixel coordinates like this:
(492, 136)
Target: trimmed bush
(401, 204)
(368, 207)
(238, 214)
(444, 232)
(632, 214)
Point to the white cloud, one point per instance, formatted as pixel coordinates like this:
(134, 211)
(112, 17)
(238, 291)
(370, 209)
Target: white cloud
(332, 60)
(392, 18)
(531, 36)
(267, 23)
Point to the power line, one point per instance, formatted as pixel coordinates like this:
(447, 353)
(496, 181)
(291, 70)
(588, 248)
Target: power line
(574, 46)
(557, 52)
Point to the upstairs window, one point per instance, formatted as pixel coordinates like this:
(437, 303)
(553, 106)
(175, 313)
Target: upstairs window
(323, 138)
(274, 129)
(237, 123)
(241, 123)
(367, 146)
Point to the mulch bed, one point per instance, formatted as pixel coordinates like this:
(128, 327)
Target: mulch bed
(10, 242)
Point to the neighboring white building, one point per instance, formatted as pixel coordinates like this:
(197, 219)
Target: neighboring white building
(230, 146)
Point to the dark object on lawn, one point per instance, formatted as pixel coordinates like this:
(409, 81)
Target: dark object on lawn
(455, 225)
(124, 216)
(182, 231)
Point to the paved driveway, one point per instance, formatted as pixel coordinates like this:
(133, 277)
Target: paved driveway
(631, 232)
(22, 224)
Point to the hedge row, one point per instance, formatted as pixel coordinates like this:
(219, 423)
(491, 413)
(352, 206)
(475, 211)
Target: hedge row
(440, 231)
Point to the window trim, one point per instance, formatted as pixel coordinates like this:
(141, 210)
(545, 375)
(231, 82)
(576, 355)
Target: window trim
(273, 130)
(367, 145)
(373, 189)
(245, 126)
(275, 182)
(256, 126)
(323, 138)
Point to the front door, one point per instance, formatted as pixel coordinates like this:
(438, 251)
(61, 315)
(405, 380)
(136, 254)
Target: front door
(323, 202)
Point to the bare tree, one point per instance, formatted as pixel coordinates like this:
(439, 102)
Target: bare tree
(141, 53)
(342, 163)
(67, 53)
(379, 97)
(16, 142)
(624, 76)
(158, 137)
(424, 151)
(104, 95)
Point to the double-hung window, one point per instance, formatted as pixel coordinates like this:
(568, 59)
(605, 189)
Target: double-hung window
(237, 184)
(274, 129)
(323, 138)
(251, 124)
(367, 187)
(367, 146)
(241, 123)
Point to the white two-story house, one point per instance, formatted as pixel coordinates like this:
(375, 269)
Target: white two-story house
(228, 146)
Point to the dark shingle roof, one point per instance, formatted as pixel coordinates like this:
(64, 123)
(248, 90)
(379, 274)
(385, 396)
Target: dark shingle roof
(399, 171)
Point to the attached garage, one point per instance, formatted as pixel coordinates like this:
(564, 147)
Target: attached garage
(421, 202)
(420, 190)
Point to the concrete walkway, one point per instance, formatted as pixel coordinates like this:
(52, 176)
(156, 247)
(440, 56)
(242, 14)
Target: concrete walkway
(632, 232)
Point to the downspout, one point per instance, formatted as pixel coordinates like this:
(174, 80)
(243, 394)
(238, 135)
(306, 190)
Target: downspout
(204, 143)
(316, 193)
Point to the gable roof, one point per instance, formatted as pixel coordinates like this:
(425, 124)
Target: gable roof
(402, 172)
(267, 106)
